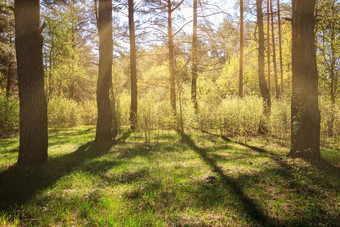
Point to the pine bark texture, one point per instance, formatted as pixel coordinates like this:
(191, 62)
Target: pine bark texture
(133, 67)
(305, 115)
(33, 105)
(104, 82)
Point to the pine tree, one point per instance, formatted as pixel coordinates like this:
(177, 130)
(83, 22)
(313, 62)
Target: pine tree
(194, 58)
(240, 83)
(133, 67)
(33, 106)
(262, 79)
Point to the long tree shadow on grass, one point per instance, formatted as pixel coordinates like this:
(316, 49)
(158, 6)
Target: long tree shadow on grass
(323, 164)
(247, 204)
(295, 176)
(20, 184)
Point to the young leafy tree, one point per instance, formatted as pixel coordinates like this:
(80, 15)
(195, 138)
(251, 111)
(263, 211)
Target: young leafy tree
(171, 7)
(70, 34)
(262, 79)
(104, 83)
(305, 115)
(329, 53)
(33, 106)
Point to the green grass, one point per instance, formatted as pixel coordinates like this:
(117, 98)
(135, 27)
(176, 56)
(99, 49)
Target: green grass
(179, 180)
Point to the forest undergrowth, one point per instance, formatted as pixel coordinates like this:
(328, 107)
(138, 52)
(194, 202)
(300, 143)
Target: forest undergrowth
(175, 179)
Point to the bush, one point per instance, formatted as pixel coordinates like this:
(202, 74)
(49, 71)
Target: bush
(330, 120)
(63, 112)
(9, 113)
(88, 113)
(153, 115)
(233, 116)
(280, 123)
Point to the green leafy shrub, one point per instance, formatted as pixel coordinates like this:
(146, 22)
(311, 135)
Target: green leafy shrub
(280, 118)
(88, 113)
(9, 113)
(232, 116)
(63, 112)
(330, 120)
(153, 116)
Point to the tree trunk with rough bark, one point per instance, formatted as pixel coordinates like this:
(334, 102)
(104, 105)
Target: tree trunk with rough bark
(33, 105)
(104, 82)
(305, 115)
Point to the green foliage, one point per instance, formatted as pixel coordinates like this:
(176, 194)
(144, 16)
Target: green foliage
(330, 119)
(9, 113)
(151, 118)
(328, 47)
(147, 117)
(280, 123)
(67, 52)
(70, 59)
(233, 116)
(63, 112)
(228, 80)
(88, 113)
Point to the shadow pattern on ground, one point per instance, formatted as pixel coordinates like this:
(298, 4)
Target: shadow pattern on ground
(18, 184)
(247, 204)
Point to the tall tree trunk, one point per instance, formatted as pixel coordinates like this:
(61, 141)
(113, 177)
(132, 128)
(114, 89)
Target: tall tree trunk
(50, 76)
(240, 83)
(268, 46)
(262, 79)
(9, 76)
(73, 41)
(305, 141)
(316, 26)
(33, 106)
(194, 59)
(277, 88)
(133, 67)
(104, 83)
(280, 45)
(332, 73)
(171, 60)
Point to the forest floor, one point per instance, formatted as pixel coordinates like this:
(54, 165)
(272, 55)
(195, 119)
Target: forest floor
(195, 180)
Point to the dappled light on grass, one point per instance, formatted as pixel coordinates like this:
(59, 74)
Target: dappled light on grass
(177, 180)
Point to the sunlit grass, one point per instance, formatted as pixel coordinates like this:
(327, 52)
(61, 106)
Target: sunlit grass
(176, 180)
